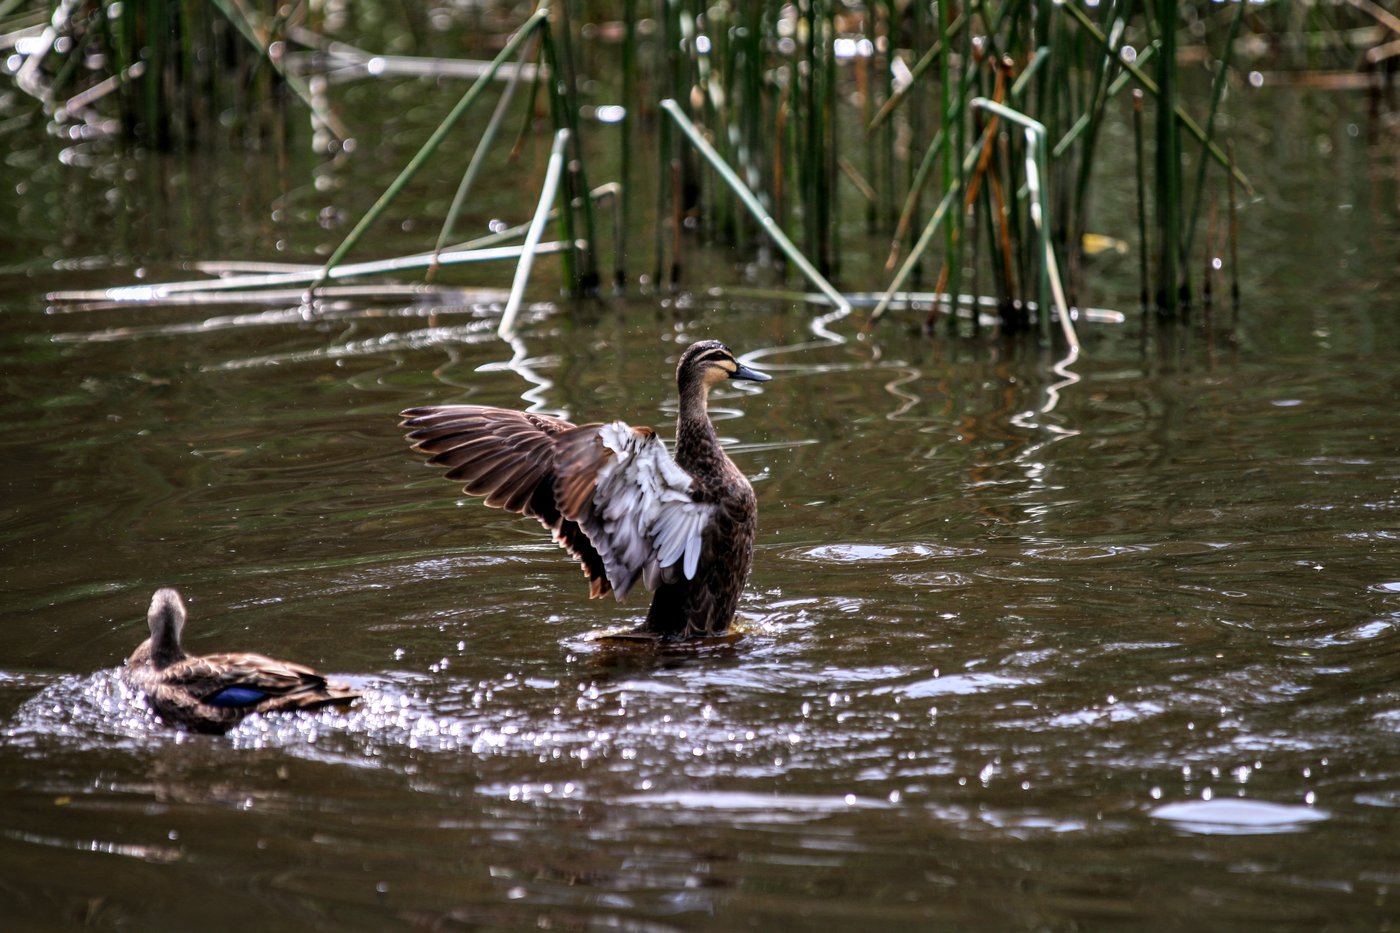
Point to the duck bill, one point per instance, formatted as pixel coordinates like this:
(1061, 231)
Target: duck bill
(743, 372)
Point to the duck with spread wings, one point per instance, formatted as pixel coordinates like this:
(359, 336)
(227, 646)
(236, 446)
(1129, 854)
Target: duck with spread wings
(614, 498)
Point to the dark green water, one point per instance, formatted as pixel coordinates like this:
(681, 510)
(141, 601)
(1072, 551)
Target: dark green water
(1132, 660)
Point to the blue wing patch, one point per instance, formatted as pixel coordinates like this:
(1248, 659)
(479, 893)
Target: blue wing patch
(236, 696)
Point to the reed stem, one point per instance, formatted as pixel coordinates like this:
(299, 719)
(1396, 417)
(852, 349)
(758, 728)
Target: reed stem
(623, 210)
(559, 42)
(924, 241)
(1144, 281)
(768, 224)
(1234, 242)
(488, 136)
(928, 58)
(1037, 154)
(548, 192)
(262, 39)
(1168, 164)
(1217, 92)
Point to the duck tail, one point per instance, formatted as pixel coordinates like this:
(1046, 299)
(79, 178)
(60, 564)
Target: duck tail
(330, 694)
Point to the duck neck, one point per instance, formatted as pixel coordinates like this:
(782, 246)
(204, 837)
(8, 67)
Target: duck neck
(696, 441)
(165, 651)
(166, 621)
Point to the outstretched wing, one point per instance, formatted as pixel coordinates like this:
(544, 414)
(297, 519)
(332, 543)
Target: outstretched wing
(508, 457)
(610, 494)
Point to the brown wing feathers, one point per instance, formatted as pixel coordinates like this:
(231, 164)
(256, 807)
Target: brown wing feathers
(521, 462)
(579, 455)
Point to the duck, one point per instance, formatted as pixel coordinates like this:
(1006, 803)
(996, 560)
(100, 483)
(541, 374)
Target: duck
(214, 692)
(613, 497)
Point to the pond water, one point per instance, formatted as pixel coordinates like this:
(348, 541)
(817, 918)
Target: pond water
(1017, 652)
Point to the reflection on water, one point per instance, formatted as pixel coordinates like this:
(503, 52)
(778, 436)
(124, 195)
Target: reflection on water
(1018, 651)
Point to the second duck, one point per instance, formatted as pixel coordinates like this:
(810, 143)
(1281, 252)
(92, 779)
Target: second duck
(214, 692)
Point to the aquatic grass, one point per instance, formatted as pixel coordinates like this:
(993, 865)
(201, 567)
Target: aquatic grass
(1037, 156)
(667, 84)
(244, 277)
(338, 62)
(823, 111)
(925, 239)
(1166, 64)
(288, 300)
(165, 58)
(928, 58)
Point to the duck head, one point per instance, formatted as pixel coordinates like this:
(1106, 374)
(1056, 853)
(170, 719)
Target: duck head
(709, 363)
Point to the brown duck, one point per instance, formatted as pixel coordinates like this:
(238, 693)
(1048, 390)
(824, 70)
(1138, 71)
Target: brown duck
(214, 692)
(614, 498)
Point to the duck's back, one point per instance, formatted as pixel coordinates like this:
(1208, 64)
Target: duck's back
(212, 693)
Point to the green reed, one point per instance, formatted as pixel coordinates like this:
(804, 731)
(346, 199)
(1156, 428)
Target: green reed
(559, 41)
(630, 93)
(1216, 95)
(1168, 163)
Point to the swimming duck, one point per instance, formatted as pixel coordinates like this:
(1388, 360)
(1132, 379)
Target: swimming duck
(612, 496)
(213, 692)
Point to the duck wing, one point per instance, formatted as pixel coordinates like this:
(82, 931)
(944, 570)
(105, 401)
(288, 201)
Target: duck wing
(508, 457)
(248, 681)
(634, 502)
(610, 494)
